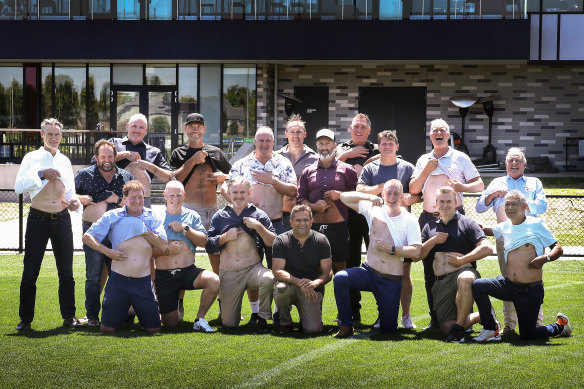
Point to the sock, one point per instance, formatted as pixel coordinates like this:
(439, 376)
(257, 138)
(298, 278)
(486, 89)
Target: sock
(255, 306)
(275, 308)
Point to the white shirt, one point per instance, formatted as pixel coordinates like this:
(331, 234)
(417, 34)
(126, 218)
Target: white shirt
(28, 180)
(405, 230)
(280, 167)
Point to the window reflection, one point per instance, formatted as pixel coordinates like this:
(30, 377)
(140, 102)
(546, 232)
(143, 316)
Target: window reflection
(11, 94)
(187, 96)
(159, 10)
(69, 105)
(128, 10)
(239, 103)
(161, 74)
(98, 98)
(210, 103)
(47, 91)
(128, 74)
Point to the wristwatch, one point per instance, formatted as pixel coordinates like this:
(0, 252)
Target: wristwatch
(187, 228)
(392, 250)
(547, 258)
(41, 174)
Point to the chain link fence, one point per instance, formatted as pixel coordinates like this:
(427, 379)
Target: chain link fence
(564, 216)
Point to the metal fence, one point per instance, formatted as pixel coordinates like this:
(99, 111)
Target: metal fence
(564, 216)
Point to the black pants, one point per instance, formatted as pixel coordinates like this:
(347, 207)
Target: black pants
(39, 229)
(358, 231)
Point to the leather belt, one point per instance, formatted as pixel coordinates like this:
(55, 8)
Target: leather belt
(48, 215)
(438, 278)
(526, 285)
(383, 275)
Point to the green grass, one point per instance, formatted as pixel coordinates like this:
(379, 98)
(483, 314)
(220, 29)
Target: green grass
(52, 357)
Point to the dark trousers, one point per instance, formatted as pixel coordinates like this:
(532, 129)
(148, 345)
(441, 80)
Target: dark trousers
(358, 231)
(39, 229)
(94, 261)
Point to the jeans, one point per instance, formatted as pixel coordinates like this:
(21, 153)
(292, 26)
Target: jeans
(527, 302)
(358, 231)
(39, 229)
(386, 293)
(94, 261)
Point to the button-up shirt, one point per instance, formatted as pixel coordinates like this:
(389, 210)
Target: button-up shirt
(307, 157)
(280, 167)
(531, 188)
(118, 226)
(147, 153)
(188, 217)
(316, 180)
(28, 180)
(90, 181)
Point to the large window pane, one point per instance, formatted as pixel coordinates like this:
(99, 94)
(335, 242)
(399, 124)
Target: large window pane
(69, 105)
(160, 74)
(128, 75)
(128, 9)
(11, 95)
(210, 94)
(159, 10)
(188, 9)
(187, 96)
(98, 98)
(239, 102)
(390, 9)
(47, 92)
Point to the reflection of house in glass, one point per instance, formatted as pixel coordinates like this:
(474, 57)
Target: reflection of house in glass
(236, 120)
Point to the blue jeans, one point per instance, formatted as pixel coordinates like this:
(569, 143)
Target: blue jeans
(386, 293)
(94, 261)
(526, 301)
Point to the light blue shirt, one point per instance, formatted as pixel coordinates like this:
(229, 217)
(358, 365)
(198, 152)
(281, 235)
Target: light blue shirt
(531, 188)
(118, 226)
(191, 218)
(533, 231)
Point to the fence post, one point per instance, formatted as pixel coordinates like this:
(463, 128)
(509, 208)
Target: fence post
(20, 223)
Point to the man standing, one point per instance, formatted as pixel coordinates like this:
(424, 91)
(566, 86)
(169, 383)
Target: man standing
(494, 196)
(303, 266)
(373, 176)
(442, 166)
(47, 176)
(299, 155)
(394, 234)
(453, 244)
(176, 271)
(355, 152)
(99, 188)
(320, 188)
(200, 167)
(525, 239)
(142, 160)
(241, 232)
(133, 231)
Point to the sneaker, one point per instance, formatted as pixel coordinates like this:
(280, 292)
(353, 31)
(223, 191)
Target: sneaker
(488, 336)
(253, 319)
(181, 310)
(564, 321)
(376, 325)
(432, 326)
(201, 325)
(507, 330)
(276, 318)
(406, 322)
(456, 334)
(261, 324)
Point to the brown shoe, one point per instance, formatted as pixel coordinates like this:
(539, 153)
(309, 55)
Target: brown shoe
(285, 328)
(93, 323)
(507, 330)
(344, 332)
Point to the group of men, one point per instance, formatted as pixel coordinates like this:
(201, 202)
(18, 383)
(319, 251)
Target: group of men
(307, 212)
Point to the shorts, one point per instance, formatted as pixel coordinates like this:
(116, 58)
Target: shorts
(121, 292)
(444, 292)
(170, 282)
(338, 237)
(206, 214)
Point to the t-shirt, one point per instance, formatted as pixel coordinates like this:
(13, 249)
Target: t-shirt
(215, 157)
(371, 151)
(302, 261)
(533, 231)
(191, 218)
(374, 173)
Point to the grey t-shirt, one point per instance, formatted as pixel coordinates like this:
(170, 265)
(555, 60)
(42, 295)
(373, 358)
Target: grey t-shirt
(374, 173)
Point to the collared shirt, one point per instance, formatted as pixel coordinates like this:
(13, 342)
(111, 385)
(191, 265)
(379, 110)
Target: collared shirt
(118, 226)
(531, 188)
(533, 231)
(307, 157)
(280, 167)
(90, 181)
(188, 217)
(463, 235)
(226, 218)
(147, 153)
(316, 180)
(28, 180)
(405, 230)
(371, 151)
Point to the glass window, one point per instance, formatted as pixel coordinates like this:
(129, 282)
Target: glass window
(160, 74)
(188, 10)
(562, 5)
(54, 9)
(390, 9)
(159, 10)
(11, 95)
(100, 9)
(210, 101)
(128, 75)
(187, 96)
(47, 92)
(239, 102)
(129, 10)
(69, 105)
(98, 98)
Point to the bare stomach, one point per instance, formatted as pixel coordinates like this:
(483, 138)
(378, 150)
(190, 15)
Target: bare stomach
(441, 265)
(518, 261)
(379, 259)
(51, 198)
(201, 189)
(240, 253)
(268, 200)
(183, 259)
(93, 212)
(432, 185)
(140, 175)
(288, 203)
(139, 253)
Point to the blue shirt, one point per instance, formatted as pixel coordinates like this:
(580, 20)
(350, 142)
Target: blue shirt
(531, 188)
(226, 218)
(533, 231)
(188, 217)
(118, 226)
(89, 181)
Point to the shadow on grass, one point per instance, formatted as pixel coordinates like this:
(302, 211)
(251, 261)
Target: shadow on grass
(85, 331)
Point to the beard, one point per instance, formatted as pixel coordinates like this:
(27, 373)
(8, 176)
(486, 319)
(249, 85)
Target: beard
(326, 157)
(106, 167)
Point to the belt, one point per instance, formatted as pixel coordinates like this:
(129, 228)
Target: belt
(526, 285)
(437, 214)
(382, 275)
(48, 215)
(276, 220)
(438, 278)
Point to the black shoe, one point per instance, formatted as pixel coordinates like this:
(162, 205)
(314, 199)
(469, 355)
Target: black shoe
(129, 322)
(456, 334)
(253, 319)
(72, 322)
(276, 318)
(262, 325)
(23, 326)
(432, 326)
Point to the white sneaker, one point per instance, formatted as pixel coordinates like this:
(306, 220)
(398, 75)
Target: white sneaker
(406, 322)
(201, 325)
(564, 321)
(488, 336)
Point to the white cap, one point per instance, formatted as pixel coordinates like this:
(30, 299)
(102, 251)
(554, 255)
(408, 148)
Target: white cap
(326, 132)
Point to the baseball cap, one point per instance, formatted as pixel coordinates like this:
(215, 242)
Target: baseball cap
(326, 132)
(195, 117)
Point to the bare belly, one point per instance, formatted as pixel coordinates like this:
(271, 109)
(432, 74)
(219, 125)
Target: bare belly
(518, 261)
(140, 175)
(331, 215)
(240, 253)
(183, 259)
(381, 260)
(51, 198)
(199, 191)
(441, 265)
(93, 212)
(432, 185)
(139, 253)
(288, 203)
(268, 200)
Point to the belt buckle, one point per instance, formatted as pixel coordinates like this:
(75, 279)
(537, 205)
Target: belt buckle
(54, 216)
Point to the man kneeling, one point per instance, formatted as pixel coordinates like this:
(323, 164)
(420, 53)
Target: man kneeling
(303, 266)
(132, 230)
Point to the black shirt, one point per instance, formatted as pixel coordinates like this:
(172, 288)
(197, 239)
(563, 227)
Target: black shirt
(215, 157)
(147, 153)
(372, 150)
(302, 261)
(463, 235)
(89, 181)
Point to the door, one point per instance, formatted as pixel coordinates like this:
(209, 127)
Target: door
(399, 109)
(313, 109)
(158, 104)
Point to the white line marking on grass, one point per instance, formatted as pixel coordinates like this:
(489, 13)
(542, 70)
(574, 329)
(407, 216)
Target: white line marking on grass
(563, 285)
